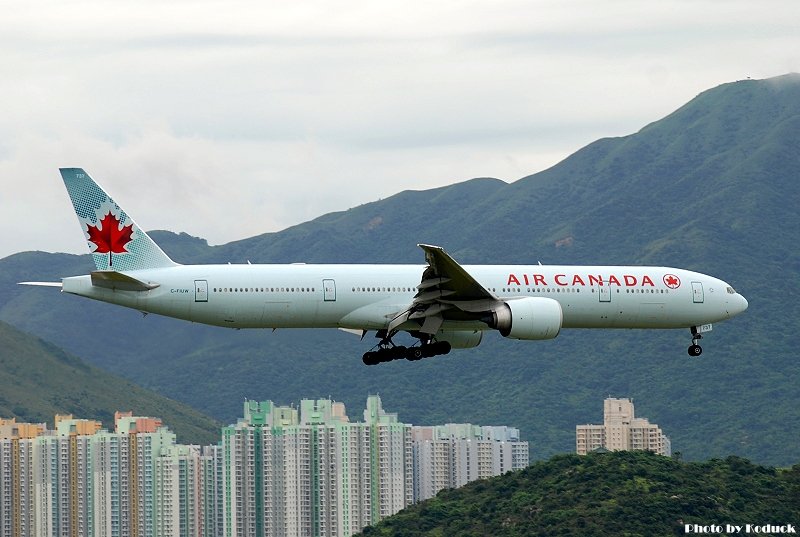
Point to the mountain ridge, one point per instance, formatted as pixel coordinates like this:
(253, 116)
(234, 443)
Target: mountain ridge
(68, 385)
(711, 187)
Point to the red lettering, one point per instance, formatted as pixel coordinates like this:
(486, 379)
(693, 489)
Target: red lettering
(525, 277)
(576, 280)
(613, 279)
(538, 279)
(558, 277)
(647, 281)
(595, 280)
(512, 279)
(630, 281)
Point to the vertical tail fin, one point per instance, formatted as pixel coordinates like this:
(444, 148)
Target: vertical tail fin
(115, 241)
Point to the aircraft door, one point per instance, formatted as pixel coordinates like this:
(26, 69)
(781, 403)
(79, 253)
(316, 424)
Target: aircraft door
(605, 293)
(201, 290)
(329, 290)
(697, 292)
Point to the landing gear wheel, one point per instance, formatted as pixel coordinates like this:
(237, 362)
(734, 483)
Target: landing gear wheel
(443, 347)
(415, 353)
(695, 350)
(396, 353)
(387, 351)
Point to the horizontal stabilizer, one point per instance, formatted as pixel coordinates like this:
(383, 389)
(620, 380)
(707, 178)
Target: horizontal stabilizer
(111, 279)
(42, 284)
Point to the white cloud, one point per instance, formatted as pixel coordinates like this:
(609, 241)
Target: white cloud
(229, 119)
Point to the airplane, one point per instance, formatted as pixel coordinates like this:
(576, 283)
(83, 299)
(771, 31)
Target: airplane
(442, 304)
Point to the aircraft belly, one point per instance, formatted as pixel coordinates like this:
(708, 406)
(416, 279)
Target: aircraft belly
(374, 316)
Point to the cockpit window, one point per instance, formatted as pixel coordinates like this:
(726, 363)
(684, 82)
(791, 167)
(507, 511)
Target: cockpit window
(731, 291)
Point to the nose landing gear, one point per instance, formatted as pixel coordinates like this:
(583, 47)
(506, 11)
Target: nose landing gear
(694, 348)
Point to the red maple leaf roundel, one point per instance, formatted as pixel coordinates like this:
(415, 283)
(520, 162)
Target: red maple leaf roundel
(108, 237)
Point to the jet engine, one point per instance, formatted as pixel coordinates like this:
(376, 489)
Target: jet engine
(528, 318)
(460, 339)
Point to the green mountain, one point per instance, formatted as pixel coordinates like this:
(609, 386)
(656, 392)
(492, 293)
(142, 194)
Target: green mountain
(712, 187)
(40, 380)
(621, 493)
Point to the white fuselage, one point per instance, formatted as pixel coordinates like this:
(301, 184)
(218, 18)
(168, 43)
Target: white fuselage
(368, 297)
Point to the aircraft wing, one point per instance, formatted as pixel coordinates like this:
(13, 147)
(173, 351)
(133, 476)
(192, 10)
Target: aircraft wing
(446, 291)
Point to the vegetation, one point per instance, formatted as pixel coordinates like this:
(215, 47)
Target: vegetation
(619, 493)
(712, 187)
(40, 380)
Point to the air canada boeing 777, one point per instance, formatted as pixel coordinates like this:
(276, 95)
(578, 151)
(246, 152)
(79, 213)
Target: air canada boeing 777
(441, 304)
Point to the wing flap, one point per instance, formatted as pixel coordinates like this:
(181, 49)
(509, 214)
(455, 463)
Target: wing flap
(431, 282)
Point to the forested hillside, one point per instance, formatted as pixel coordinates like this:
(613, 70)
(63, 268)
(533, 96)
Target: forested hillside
(39, 380)
(621, 493)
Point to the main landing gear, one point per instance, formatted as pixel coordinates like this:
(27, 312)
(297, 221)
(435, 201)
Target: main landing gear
(388, 351)
(694, 348)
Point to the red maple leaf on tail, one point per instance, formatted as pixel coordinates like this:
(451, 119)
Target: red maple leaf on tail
(108, 237)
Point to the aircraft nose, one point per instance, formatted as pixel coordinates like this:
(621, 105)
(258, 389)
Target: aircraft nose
(739, 304)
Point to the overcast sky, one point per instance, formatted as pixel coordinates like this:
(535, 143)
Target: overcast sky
(230, 119)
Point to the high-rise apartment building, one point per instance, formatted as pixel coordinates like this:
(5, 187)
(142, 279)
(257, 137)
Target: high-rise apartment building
(621, 430)
(290, 472)
(80, 479)
(279, 471)
(452, 455)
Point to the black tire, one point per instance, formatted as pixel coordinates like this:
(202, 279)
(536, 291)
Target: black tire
(429, 350)
(414, 353)
(695, 350)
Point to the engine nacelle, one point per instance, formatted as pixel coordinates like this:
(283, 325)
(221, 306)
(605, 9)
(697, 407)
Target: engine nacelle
(460, 339)
(529, 318)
